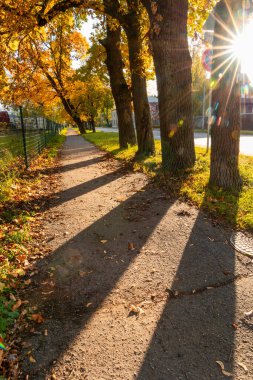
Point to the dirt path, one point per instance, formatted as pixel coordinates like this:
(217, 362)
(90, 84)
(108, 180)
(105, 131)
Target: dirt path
(136, 287)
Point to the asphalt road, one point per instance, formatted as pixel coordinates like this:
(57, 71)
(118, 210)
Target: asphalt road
(246, 141)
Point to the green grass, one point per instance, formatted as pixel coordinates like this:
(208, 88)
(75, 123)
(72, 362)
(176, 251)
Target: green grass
(7, 316)
(233, 208)
(55, 143)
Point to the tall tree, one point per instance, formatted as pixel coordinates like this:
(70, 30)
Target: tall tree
(130, 15)
(174, 80)
(47, 54)
(92, 98)
(119, 86)
(225, 129)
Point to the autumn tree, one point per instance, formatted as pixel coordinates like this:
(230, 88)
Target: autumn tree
(94, 96)
(199, 81)
(174, 80)
(105, 59)
(225, 129)
(119, 86)
(47, 54)
(131, 17)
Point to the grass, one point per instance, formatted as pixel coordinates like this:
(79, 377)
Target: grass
(235, 209)
(17, 187)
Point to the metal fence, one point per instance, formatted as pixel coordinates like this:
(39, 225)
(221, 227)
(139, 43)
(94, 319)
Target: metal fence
(26, 137)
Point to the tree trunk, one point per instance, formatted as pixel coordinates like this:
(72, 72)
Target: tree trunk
(81, 126)
(174, 80)
(68, 106)
(93, 125)
(145, 137)
(119, 87)
(225, 128)
(70, 109)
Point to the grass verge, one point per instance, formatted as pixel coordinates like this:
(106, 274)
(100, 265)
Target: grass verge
(235, 209)
(17, 220)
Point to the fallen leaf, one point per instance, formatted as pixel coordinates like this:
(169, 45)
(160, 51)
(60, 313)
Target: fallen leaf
(131, 246)
(136, 310)
(103, 241)
(1, 356)
(37, 318)
(21, 258)
(248, 313)
(235, 326)
(31, 359)
(244, 367)
(12, 297)
(27, 282)
(2, 286)
(45, 333)
(18, 272)
(225, 373)
(16, 305)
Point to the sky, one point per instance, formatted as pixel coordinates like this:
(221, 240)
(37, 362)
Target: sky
(87, 27)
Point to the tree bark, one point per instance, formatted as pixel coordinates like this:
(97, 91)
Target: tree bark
(119, 87)
(93, 124)
(143, 123)
(70, 109)
(133, 26)
(225, 128)
(174, 81)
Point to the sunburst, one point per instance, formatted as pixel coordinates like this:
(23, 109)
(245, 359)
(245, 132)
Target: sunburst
(242, 49)
(236, 45)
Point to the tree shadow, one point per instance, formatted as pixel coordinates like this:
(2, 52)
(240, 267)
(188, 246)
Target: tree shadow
(196, 326)
(75, 165)
(53, 200)
(73, 282)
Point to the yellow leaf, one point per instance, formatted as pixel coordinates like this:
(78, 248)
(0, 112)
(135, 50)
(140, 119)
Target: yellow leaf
(18, 272)
(32, 360)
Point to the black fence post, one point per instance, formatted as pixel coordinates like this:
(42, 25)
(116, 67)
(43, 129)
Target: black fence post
(23, 135)
(45, 133)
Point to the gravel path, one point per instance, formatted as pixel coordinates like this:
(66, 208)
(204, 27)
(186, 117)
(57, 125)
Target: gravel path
(136, 286)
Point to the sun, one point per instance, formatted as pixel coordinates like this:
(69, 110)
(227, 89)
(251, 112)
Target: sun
(242, 48)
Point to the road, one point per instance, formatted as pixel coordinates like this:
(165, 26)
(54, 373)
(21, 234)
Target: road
(246, 141)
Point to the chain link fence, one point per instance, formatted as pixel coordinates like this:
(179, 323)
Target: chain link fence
(25, 137)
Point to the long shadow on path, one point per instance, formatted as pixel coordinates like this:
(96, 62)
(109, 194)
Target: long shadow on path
(84, 271)
(196, 327)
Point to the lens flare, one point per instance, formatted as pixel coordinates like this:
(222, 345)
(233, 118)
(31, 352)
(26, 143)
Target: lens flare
(242, 50)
